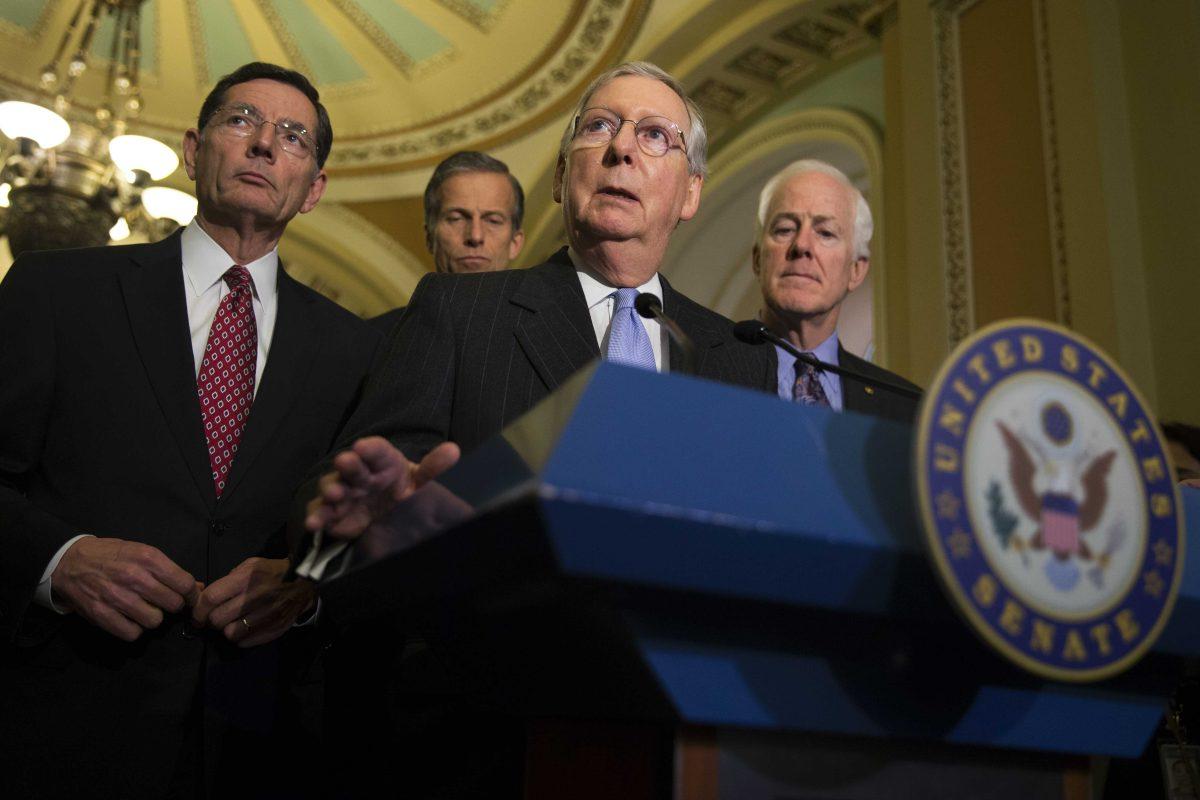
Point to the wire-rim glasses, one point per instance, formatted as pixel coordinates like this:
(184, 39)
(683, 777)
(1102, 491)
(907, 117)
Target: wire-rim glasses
(243, 120)
(656, 136)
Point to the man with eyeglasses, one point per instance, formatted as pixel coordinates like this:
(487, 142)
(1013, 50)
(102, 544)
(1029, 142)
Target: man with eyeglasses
(159, 407)
(474, 352)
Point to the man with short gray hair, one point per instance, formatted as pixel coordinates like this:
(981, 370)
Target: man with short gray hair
(812, 248)
(474, 352)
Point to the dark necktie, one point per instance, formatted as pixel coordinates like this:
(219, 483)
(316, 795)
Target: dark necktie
(808, 389)
(226, 380)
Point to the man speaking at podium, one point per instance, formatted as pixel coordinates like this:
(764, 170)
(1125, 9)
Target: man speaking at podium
(475, 351)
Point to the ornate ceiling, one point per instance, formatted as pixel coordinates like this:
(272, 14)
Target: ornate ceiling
(409, 81)
(406, 81)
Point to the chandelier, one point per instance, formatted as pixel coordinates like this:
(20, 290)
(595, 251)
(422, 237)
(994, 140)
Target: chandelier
(73, 177)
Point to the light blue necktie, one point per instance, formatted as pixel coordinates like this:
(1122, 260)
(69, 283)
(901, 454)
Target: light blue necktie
(628, 342)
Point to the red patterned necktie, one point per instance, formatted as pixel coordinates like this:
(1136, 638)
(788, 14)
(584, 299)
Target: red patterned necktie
(226, 379)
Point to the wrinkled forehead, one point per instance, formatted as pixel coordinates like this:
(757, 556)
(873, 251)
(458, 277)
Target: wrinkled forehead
(478, 188)
(274, 100)
(637, 96)
(813, 194)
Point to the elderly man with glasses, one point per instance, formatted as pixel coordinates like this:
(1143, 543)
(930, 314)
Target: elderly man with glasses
(475, 351)
(160, 405)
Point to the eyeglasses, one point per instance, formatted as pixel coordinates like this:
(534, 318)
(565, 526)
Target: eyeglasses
(656, 136)
(243, 121)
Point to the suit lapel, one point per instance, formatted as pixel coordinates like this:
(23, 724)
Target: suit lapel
(152, 286)
(703, 336)
(856, 395)
(556, 333)
(293, 344)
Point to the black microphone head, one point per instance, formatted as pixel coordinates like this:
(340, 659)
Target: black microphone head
(648, 305)
(750, 331)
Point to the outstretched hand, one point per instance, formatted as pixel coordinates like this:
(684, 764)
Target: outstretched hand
(367, 482)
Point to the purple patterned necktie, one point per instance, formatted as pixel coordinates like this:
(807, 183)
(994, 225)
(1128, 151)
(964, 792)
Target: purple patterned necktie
(808, 389)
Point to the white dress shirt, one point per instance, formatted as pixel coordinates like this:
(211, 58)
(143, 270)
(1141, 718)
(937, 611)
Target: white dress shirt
(601, 300)
(204, 262)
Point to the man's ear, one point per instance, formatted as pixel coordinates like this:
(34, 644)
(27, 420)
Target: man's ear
(315, 190)
(559, 173)
(515, 244)
(691, 203)
(754, 260)
(191, 145)
(858, 271)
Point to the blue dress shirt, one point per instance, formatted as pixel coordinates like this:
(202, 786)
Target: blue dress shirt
(827, 351)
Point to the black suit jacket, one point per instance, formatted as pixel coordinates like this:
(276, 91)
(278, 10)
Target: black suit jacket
(100, 432)
(385, 323)
(475, 351)
(867, 397)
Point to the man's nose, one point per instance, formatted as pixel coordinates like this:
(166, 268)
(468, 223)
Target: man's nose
(624, 142)
(262, 141)
(475, 231)
(801, 243)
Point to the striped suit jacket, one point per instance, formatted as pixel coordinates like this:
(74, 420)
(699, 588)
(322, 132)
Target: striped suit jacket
(475, 351)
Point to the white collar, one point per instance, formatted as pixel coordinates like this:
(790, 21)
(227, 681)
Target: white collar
(205, 261)
(596, 289)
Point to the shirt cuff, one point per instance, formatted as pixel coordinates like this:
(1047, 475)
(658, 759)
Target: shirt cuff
(43, 595)
(311, 618)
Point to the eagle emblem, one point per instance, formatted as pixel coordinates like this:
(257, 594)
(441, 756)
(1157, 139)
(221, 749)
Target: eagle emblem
(1063, 491)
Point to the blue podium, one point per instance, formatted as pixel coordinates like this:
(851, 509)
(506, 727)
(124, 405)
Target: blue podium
(664, 551)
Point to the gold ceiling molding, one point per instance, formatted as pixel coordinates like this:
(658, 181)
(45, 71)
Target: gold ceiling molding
(601, 34)
(401, 60)
(349, 260)
(955, 206)
(1054, 202)
(480, 18)
(286, 40)
(955, 214)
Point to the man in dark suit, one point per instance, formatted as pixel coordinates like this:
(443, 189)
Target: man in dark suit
(811, 250)
(474, 352)
(473, 212)
(153, 431)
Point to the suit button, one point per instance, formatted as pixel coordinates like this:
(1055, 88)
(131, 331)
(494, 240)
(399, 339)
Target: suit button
(217, 528)
(186, 631)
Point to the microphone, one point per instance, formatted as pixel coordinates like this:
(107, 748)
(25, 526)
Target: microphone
(751, 331)
(649, 306)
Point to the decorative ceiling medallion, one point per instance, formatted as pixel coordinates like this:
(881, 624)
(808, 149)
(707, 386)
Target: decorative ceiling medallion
(600, 34)
(405, 81)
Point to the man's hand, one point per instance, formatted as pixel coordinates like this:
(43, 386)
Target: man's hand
(120, 586)
(367, 482)
(252, 605)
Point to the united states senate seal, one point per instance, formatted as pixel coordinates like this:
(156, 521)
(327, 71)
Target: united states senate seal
(1048, 502)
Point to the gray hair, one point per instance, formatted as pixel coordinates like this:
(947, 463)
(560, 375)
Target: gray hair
(864, 224)
(469, 161)
(696, 137)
